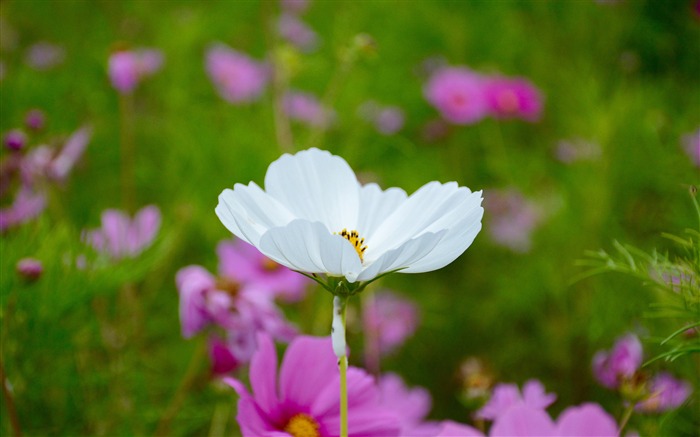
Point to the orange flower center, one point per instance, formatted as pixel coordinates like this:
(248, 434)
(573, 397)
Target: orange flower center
(269, 265)
(357, 242)
(302, 425)
(229, 286)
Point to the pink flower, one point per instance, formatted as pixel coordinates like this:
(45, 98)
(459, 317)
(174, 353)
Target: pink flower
(512, 219)
(665, 393)
(304, 399)
(30, 268)
(389, 320)
(128, 67)
(15, 140)
(612, 367)
(120, 236)
(35, 119)
(297, 33)
(411, 405)
(306, 108)
(27, 205)
(387, 120)
(237, 77)
(223, 359)
(46, 163)
(457, 93)
(691, 145)
(244, 264)
(506, 396)
(513, 98)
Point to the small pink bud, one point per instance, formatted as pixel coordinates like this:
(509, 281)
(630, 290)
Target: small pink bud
(30, 268)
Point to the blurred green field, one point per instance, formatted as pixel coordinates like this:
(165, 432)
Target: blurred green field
(83, 360)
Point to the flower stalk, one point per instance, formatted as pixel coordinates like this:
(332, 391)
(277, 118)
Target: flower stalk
(340, 349)
(127, 150)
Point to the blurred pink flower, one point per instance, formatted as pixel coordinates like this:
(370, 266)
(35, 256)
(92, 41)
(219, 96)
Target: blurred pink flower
(389, 319)
(304, 400)
(223, 359)
(44, 55)
(691, 145)
(665, 393)
(30, 268)
(27, 205)
(411, 405)
(612, 367)
(506, 396)
(128, 67)
(306, 107)
(237, 77)
(245, 264)
(35, 119)
(387, 120)
(294, 6)
(15, 140)
(513, 98)
(512, 218)
(297, 33)
(120, 236)
(458, 94)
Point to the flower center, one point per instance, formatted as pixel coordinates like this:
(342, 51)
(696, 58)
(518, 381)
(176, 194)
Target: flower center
(357, 242)
(227, 285)
(269, 266)
(302, 425)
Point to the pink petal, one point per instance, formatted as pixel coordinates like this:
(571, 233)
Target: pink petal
(263, 375)
(586, 420)
(308, 367)
(453, 429)
(521, 421)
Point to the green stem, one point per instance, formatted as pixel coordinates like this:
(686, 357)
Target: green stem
(343, 396)
(339, 347)
(626, 417)
(9, 404)
(126, 131)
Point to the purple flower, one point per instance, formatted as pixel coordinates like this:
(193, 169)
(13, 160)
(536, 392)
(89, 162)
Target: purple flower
(665, 393)
(120, 236)
(304, 399)
(506, 396)
(35, 119)
(613, 367)
(237, 77)
(512, 219)
(223, 359)
(244, 264)
(30, 268)
(27, 205)
(389, 320)
(128, 67)
(458, 94)
(411, 405)
(691, 145)
(387, 120)
(513, 98)
(15, 140)
(306, 108)
(297, 33)
(44, 56)
(45, 163)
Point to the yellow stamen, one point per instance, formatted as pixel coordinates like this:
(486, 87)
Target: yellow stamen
(357, 242)
(302, 425)
(228, 285)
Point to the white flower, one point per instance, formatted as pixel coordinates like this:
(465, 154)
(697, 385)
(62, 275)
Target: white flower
(315, 217)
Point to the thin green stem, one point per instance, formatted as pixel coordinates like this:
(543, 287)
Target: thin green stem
(10, 404)
(340, 350)
(626, 417)
(344, 396)
(126, 131)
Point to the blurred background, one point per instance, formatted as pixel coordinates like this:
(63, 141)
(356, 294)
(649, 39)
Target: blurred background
(597, 140)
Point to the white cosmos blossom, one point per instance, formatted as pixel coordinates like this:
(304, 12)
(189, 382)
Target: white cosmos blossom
(311, 199)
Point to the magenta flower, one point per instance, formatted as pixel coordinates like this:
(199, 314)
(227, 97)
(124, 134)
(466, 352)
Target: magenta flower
(512, 219)
(304, 399)
(513, 98)
(387, 120)
(128, 67)
(120, 236)
(27, 205)
(15, 140)
(506, 396)
(691, 145)
(30, 268)
(44, 55)
(297, 33)
(458, 94)
(223, 358)
(35, 119)
(308, 109)
(245, 264)
(665, 393)
(411, 405)
(389, 319)
(237, 77)
(613, 367)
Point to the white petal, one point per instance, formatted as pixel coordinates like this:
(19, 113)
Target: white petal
(248, 212)
(410, 252)
(316, 186)
(309, 247)
(375, 206)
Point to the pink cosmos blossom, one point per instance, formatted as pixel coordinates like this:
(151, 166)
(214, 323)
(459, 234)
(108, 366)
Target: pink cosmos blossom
(387, 120)
(128, 67)
(308, 109)
(245, 264)
(120, 236)
(512, 219)
(223, 359)
(506, 396)
(458, 94)
(304, 399)
(389, 319)
(15, 140)
(44, 55)
(691, 145)
(513, 98)
(237, 77)
(411, 405)
(665, 393)
(297, 33)
(27, 205)
(526, 421)
(53, 164)
(30, 268)
(612, 367)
